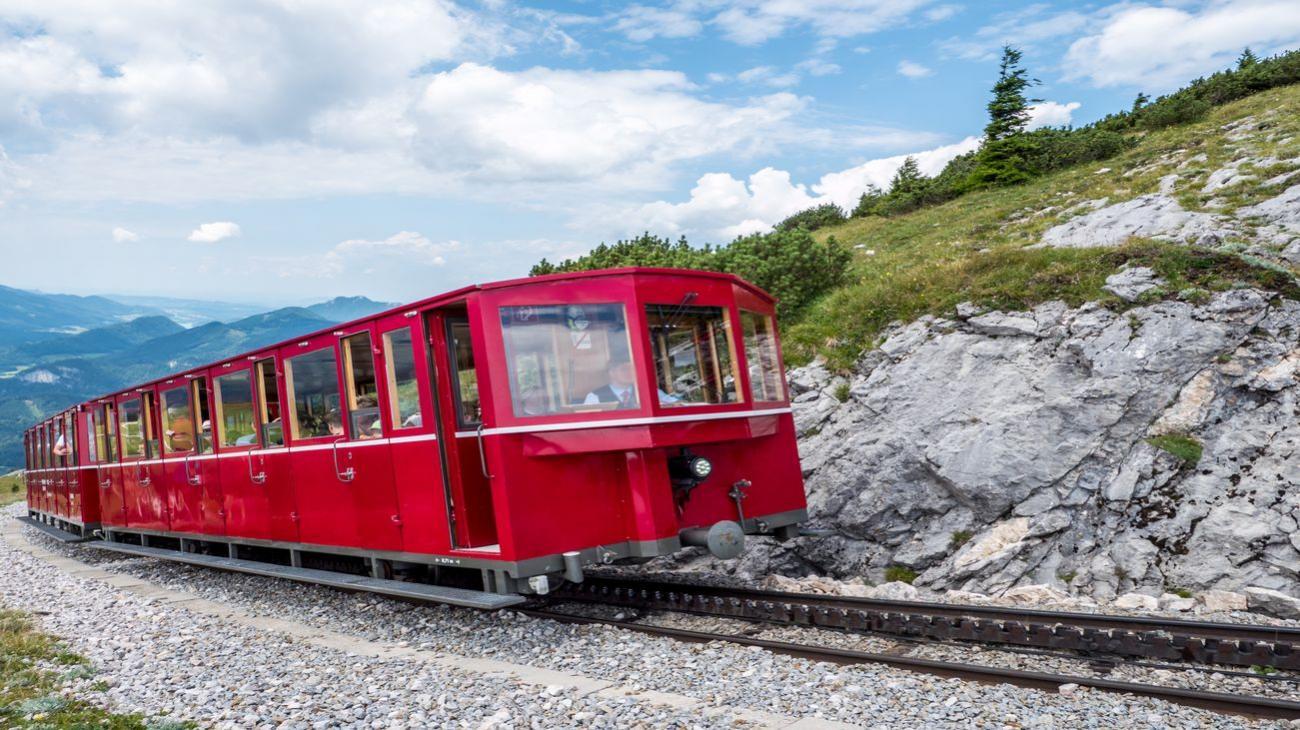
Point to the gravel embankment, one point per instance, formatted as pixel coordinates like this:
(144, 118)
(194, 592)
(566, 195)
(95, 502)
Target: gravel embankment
(274, 672)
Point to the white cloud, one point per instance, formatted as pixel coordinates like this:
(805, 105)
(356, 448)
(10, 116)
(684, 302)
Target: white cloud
(619, 128)
(122, 235)
(750, 22)
(640, 23)
(395, 256)
(819, 67)
(1023, 28)
(943, 12)
(767, 75)
(721, 207)
(1160, 48)
(409, 246)
(213, 232)
(913, 70)
(1051, 114)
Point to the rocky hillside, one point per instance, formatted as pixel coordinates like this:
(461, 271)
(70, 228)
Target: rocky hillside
(1132, 426)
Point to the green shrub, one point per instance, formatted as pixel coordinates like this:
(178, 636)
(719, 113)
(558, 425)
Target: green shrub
(813, 218)
(900, 573)
(1180, 592)
(1184, 447)
(959, 538)
(842, 392)
(1178, 110)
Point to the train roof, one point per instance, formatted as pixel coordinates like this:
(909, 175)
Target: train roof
(428, 301)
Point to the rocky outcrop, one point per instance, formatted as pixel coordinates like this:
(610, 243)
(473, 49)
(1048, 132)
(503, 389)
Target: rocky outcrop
(1148, 216)
(1008, 449)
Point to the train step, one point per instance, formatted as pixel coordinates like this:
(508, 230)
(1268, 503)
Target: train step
(54, 532)
(400, 589)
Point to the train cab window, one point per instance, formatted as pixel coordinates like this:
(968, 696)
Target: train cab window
(132, 426)
(234, 400)
(363, 387)
(569, 359)
(403, 387)
(468, 407)
(272, 420)
(200, 396)
(313, 384)
(177, 421)
(759, 334)
(694, 355)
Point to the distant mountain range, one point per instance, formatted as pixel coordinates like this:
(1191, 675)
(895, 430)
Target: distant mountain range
(57, 350)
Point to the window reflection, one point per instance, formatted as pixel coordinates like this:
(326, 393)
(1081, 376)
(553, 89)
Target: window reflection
(759, 333)
(314, 389)
(694, 354)
(569, 359)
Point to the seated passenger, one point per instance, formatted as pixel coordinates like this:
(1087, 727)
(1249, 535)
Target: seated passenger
(61, 447)
(621, 388)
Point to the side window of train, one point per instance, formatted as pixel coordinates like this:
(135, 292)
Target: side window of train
(569, 359)
(177, 421)
(234, 398)
(403, 387)
(468, 408)
(271, 417)
(313, 386)
(759, 334)
(92, 448)
(363, 387)
(199, 386)
(694, 353)
(106, 432)
(131, 415)
(70, 439)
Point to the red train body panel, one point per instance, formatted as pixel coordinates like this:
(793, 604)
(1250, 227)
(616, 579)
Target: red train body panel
(494, 429)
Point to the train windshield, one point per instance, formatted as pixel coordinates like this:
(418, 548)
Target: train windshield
(569, 359)
(694, 354)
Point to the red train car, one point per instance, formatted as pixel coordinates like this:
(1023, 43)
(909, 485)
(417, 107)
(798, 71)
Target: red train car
(496, 438)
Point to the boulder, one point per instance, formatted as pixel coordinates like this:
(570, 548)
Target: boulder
(1214, 601)
(1137, 602)
(1175, 602)
(1035, 595)
(895, 591)
(1130, 283)
(1273, 603)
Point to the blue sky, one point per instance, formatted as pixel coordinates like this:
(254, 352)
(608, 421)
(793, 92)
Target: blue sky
(285, 152)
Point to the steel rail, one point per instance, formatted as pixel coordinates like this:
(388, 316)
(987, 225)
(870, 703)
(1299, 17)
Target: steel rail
(1148, 637)
(1264, 707)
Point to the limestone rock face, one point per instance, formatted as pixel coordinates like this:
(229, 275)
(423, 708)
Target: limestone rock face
(1157, 215)
(1011, 449)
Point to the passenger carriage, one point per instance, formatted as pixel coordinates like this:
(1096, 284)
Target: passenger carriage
(496, 438)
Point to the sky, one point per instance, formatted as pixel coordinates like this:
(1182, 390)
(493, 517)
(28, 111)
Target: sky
(289, 151)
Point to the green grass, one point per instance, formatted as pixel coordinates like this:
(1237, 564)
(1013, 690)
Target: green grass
(1184, 447)
(12, 490)
(900, 573)
(959, 538)
(32, 667)
(975, 248)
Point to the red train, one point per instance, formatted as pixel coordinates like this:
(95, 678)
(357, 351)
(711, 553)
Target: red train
(492, 440)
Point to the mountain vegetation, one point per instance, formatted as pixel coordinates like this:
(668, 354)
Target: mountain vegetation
(968, 233)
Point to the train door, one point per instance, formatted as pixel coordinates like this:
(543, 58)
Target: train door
(363, 452)
(63, 461)
(176, 411)
(456, 357)
(245, 482)
(112, 502)
(202, 471)
(274, 462)
(412, 442)
(135, 423)
(322, 477)
(88, 463)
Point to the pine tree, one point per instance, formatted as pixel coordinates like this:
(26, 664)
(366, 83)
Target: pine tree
(908, 179)
(1009, 108)
(1141, 101)
(1247, 58)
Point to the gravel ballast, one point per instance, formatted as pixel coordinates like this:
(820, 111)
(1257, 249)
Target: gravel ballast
(164, 659)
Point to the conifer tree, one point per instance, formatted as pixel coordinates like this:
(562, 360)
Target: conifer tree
(908, 179)
(1009, 108)
(1141, 101)
(1247, 58)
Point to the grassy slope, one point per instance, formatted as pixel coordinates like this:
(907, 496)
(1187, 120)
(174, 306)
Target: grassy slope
(11, 490)
(973, 248)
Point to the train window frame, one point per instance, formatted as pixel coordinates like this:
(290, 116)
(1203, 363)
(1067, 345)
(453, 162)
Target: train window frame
(219, 412)
(292, 397)
(552, 369)
(397, 417)
(674, 313)
(129, 453)
(266, 381)
(763, 352)
(92, 448)
(455, 370)
(167, 419)
(204, 442)
(361, 420)
(109, 450)
(70, 433)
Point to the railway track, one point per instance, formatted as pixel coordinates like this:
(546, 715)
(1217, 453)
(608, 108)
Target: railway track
(1085, 634)
(1262, 707)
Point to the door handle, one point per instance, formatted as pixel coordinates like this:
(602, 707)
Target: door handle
(346, 475)
(195, 479)
(482, 453)
(258, 478)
